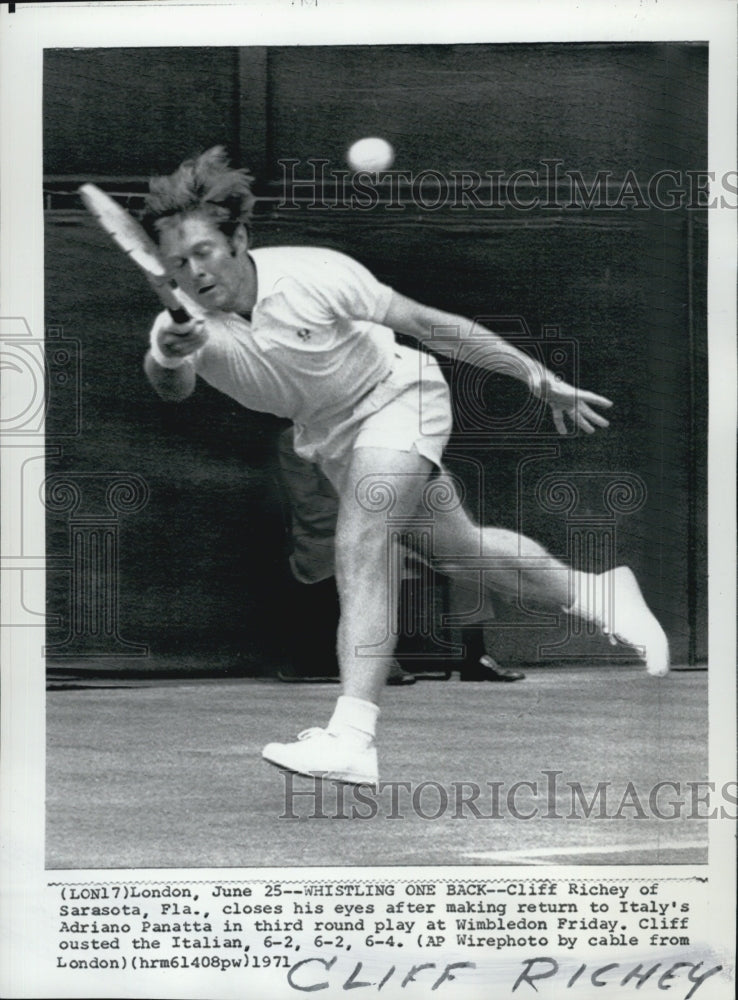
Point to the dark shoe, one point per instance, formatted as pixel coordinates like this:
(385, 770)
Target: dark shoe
(488, 669)
(397, 676)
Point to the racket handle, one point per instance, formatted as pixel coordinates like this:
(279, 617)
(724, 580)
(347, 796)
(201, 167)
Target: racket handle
(166, 292)
(179, 315)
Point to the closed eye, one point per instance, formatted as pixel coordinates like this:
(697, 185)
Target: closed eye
(200, 252)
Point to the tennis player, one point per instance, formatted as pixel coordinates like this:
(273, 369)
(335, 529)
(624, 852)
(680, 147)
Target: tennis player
(307, 333)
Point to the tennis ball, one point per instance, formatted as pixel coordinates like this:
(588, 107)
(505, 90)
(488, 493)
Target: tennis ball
(372, 154)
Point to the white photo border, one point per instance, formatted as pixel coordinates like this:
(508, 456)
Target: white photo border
(23, 36)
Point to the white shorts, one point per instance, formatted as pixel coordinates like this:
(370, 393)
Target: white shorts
(409, 409)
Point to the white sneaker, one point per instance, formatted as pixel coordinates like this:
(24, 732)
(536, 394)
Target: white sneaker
(620, 610)
(321, 754)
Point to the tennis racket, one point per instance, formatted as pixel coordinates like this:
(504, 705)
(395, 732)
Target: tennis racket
(142, 250)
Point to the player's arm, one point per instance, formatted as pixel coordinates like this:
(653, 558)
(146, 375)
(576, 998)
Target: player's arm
(459, 338)
(169, 362)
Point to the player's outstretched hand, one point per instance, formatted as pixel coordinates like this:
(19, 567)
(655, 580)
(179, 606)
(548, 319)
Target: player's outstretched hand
(179, 340)
(576, 404)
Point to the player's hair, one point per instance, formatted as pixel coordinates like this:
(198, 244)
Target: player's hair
(205, 184)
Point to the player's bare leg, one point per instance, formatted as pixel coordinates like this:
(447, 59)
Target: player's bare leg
(382, 491)
(519, 566)
(612, 600)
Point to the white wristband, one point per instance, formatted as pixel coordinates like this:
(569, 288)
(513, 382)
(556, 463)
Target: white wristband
(167, 362)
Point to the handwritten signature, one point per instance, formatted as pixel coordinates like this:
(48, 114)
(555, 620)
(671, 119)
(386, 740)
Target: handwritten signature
(313, 974)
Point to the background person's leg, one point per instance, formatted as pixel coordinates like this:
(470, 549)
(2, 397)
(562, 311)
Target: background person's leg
(313, 509)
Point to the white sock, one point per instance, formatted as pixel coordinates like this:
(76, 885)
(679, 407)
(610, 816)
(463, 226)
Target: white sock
(355, 718)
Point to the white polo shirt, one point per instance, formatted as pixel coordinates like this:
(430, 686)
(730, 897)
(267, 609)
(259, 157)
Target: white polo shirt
(316, 351)
(315, 344)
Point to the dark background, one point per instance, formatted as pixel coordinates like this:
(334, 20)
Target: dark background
(201, 567)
